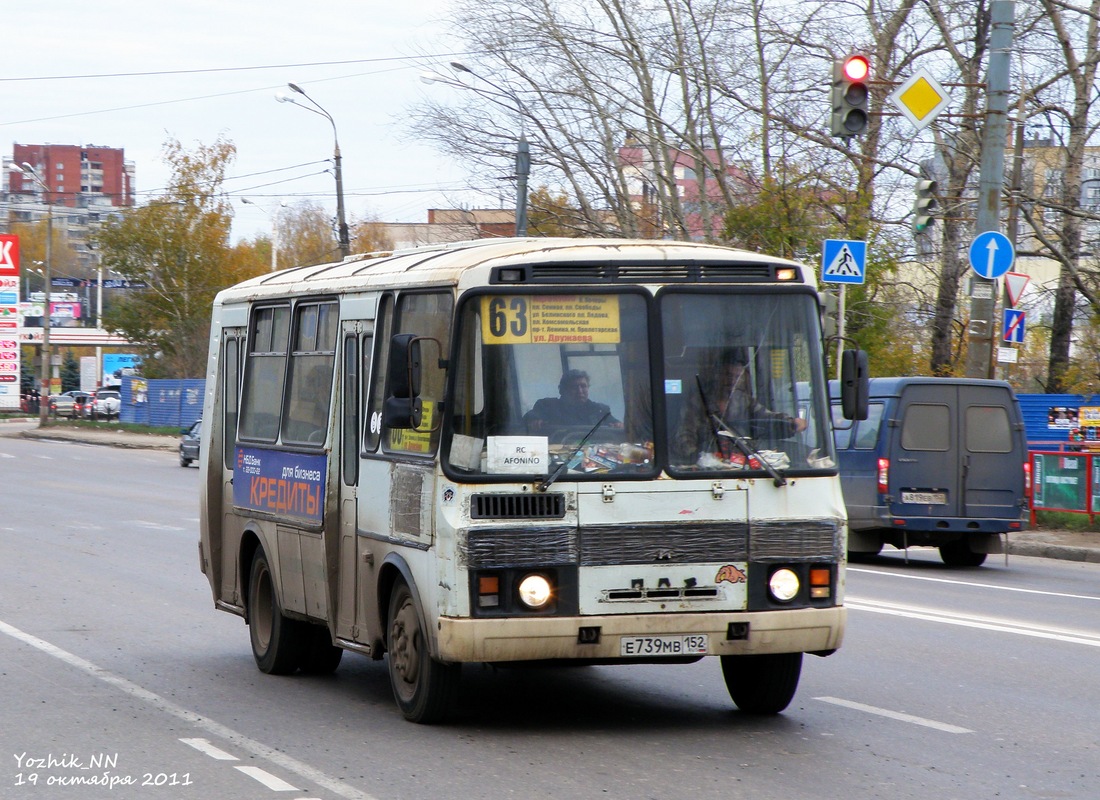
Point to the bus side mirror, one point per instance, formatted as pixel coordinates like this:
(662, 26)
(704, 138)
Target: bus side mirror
(404, 369)
(402, 408)
(854, 384)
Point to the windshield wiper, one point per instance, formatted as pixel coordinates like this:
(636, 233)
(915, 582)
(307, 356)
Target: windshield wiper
(723, 431)
(747, 449)
(542, 487)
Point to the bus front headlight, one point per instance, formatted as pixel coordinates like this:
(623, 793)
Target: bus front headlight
(535, 591)
(783, 585)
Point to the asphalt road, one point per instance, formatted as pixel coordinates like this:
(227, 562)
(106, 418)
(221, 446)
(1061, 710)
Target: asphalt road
(114, 665)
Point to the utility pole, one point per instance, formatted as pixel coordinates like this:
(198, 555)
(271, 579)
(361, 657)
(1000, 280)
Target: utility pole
(983, 301)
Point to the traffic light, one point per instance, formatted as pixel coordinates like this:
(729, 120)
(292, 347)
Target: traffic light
(923, 205)
(850, 95)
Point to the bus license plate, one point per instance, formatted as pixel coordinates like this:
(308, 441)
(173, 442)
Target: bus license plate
(686, 644)
(925, 498)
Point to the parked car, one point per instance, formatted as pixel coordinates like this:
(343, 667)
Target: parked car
(189, 443)
(108, 403)
(62, 405)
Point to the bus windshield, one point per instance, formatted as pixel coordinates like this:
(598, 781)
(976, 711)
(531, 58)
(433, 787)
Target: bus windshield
(591, 384)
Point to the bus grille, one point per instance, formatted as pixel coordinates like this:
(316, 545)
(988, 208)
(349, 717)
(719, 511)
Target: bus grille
(517, 506)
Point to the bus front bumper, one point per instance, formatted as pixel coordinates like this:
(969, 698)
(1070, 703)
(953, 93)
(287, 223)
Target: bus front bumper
(809, 630)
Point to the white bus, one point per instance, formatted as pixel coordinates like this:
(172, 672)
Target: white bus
(523, 450)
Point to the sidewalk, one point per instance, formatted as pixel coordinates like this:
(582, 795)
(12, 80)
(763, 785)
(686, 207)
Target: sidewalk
(1060, 544)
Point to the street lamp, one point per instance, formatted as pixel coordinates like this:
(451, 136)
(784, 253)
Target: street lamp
(27, 170)
(523, 149)
(274, 217)
(316, 108)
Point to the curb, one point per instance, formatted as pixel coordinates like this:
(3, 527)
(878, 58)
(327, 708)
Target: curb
(1062, 552)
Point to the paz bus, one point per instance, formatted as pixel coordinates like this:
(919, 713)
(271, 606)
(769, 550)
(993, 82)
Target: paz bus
(373, 479)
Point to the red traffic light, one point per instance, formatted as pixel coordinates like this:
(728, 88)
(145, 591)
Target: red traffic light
(856, 68)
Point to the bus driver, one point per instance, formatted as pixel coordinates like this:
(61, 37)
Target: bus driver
(571, 408)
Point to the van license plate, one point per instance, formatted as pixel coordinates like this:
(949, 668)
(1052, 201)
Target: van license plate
(686, 644)
(925, 498)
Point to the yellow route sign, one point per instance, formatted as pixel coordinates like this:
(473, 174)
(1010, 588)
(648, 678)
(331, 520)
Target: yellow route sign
(920, 99)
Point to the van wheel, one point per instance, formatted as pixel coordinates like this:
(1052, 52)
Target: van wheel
(959, 554)
(763, 684)
(321, 656)
(278, 642)
(422, 686)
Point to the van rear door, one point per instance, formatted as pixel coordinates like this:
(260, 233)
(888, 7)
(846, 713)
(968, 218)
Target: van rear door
(957, 452)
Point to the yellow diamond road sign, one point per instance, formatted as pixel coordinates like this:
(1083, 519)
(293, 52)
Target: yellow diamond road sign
(920, 99)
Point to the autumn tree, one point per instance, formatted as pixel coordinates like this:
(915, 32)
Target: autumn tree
(178, 246)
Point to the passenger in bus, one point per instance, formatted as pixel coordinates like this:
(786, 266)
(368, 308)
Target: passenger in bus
(571, 408)
(730, 397)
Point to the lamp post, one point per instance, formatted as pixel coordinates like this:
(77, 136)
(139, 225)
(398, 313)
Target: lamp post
(274, 230)
(27, 170)
(523, 148)
(316, 108)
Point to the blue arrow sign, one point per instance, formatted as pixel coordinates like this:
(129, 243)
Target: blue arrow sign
(1014, 325)
(843, 261)
(991, 254)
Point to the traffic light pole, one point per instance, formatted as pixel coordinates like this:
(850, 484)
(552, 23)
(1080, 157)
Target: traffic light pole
(983, 300)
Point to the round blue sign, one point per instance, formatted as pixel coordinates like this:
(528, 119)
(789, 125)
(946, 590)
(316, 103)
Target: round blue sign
(991, 254)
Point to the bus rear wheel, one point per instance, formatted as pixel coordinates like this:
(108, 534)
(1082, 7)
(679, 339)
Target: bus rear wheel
(321, 656)
(763, 684)
(278, 642)
(422, 686)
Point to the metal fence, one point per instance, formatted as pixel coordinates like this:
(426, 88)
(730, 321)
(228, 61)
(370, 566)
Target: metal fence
(162, 403)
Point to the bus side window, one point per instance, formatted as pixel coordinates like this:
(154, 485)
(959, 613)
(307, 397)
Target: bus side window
(349, 424)
(428, 315)
(231, 387)
(265, 371)
(312, 359)
(376, 397)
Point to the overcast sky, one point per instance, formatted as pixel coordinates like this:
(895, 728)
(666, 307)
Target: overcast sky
(53, 51)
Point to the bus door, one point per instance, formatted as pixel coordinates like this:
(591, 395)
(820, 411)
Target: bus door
(233, 343)
(355, 355)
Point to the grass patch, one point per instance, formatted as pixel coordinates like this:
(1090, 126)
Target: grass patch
(1064, 520)
(113, 425)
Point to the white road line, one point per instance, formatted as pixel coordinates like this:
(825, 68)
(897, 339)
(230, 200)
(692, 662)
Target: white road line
(204, 746)
(247, 744)
(982, 623)
(885, 712)
(267, 779)
(957, 582)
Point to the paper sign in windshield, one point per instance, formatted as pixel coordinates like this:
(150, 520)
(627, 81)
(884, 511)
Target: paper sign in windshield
(518, 455)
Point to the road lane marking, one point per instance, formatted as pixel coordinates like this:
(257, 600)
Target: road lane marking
(256, 748)
(981, 623)
(885, 712)
(957, 582)
(204, 746)
(267, 779)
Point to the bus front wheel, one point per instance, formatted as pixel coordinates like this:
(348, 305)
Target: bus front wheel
(278, 642)
(422, 686)
(762, 684)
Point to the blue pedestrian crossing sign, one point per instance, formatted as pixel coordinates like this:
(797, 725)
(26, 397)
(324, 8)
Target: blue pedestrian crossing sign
(843, 261)
(1013, 328)
(991, 254)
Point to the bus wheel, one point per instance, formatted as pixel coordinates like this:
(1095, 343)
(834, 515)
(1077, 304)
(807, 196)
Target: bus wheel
(321, 656)
(959, 554)
(422, 686)
(277, 641)
(763, 684)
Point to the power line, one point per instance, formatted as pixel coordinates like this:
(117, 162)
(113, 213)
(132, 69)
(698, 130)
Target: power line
(219, 69)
